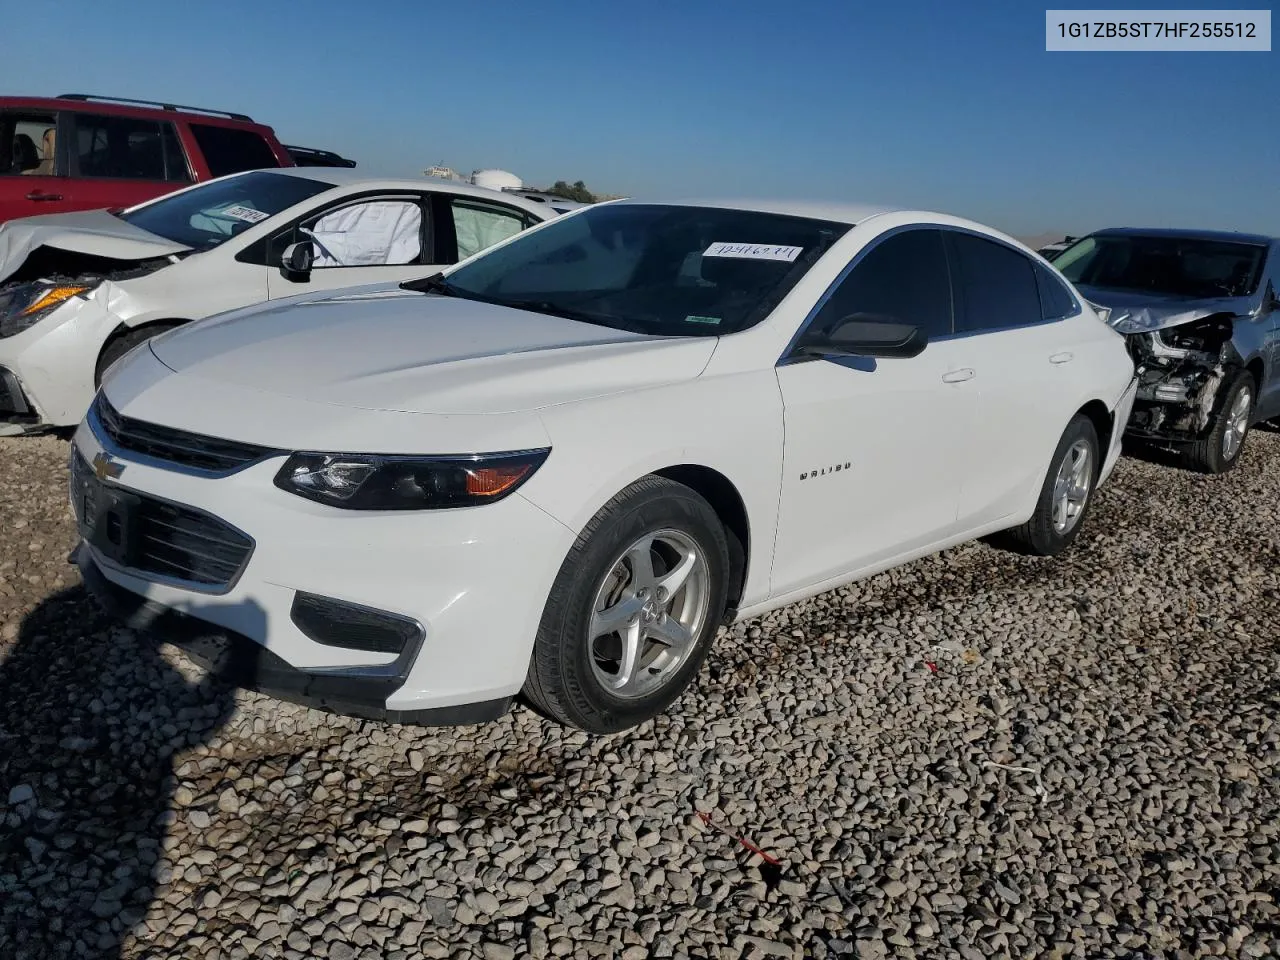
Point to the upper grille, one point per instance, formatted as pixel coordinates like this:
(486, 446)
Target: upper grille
(193, 450)
(172, 541)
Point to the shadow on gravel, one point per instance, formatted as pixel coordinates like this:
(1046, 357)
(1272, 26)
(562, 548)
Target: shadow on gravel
(90, 716)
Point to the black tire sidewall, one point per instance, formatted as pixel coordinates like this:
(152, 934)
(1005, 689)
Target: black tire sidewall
(1046, 539)
(1220, 463)
(564, 626)
(121, 345)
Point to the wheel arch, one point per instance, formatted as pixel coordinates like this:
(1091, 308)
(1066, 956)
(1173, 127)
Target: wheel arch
(124, 330)
(1104, 424)
(719, 491)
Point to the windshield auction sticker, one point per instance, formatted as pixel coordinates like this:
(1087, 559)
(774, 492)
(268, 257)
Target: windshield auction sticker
(753, 251)
(247, 214)
(1157, 30)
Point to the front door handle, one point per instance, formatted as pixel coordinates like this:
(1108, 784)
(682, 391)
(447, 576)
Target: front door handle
(1065, 357)
(41, 195)
(958, 376)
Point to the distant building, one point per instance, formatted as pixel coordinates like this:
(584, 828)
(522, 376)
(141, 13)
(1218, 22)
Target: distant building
(443, 173)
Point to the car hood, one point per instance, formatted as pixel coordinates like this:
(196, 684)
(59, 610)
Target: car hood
(383, 348)
(1130, 311)
(93, 232)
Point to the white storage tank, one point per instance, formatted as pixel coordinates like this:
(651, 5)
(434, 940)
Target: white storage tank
(496, 180)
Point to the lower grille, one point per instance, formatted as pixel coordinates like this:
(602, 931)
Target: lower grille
(159, 538)
(12, 401)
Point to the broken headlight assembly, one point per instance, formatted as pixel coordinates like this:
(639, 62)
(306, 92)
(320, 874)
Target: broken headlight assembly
(361, 482)
(23, 305)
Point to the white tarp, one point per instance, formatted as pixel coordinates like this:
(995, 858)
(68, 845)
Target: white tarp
(479, 228)
(374, 234)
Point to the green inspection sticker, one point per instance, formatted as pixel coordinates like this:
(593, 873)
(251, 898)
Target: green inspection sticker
(714, 321)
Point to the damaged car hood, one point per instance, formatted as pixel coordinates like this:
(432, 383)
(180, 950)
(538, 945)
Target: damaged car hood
(1131, 312)
(389, 349)
(93, 232)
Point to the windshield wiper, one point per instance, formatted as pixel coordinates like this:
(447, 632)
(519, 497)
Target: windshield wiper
(436, 283)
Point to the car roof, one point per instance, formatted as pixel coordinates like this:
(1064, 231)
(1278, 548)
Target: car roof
(837, 211)
(1228, 235)
(345, 177)
(126, 108)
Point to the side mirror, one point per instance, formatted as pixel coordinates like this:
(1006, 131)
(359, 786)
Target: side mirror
(867, 335)
(296, 261)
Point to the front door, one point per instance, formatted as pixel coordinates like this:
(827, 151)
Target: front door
(870, 449)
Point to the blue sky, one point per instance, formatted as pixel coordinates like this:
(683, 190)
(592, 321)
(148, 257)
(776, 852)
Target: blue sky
(950, 106)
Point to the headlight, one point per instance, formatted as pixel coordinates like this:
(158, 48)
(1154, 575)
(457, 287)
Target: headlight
(361, 482)
(26, 304)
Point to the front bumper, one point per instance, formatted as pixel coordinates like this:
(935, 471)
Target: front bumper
(49, 368)
(475, 579)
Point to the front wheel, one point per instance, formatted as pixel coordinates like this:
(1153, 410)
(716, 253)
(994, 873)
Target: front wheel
(1066, 494)
(633, 610)
(1219, 449)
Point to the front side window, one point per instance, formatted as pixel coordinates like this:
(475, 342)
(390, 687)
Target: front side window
(1167, 265)
(681, 271)
(127, 148)
(232, 150)
(27, 143)
(480, 225)
(901, 279)
(206, 216)
(370, 233)
(997, 285)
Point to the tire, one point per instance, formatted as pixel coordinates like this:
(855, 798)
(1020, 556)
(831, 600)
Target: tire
(115, 349)
(1045, 534)
(1215, 452)
(577, 674)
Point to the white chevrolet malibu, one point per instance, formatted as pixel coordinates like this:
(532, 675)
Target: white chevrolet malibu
(556, 470)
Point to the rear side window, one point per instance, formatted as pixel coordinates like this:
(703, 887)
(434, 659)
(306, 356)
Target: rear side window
(128, 148)
(997, 285)
(1056, 301)
(27, 143)
(478, 225)
(231, 150)
(902, 279)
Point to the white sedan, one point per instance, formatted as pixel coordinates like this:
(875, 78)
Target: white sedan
(80, 290)
(557, 469)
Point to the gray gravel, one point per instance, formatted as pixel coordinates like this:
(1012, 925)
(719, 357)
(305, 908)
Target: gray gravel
(1090, 769)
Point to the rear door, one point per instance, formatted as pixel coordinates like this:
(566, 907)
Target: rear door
(119, 161)
(466, 225)
(32, 181)
(369, 239)
(218, 150)
(1025, 360)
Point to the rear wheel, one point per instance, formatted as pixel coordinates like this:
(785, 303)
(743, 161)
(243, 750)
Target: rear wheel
(1067, 492)
(633, 610)
(117, 347)
(1219, 449)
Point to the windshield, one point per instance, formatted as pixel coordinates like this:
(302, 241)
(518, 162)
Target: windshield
(1173, 266)
(206, 216)
(664, 270)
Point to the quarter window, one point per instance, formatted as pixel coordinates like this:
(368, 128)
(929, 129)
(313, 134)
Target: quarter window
(232, 150)
(997, 285)
(1056, 301)
(128, 148)
(902, 279)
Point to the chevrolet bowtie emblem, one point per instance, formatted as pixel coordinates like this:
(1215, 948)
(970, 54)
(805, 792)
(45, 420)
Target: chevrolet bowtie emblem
(104, 468)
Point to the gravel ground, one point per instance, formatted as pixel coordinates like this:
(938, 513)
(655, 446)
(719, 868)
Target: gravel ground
(977, 755)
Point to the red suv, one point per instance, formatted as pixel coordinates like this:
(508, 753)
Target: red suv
(77, 152)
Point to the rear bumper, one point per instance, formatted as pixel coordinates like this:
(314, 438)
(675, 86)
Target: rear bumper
(240, 661)
(1123, 411)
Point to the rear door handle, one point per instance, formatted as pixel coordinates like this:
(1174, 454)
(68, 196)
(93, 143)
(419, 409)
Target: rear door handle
(1065, 357)
(41, 195)
(958, 376)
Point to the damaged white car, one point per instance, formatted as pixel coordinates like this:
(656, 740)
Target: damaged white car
(1200, 312)
(80, 290)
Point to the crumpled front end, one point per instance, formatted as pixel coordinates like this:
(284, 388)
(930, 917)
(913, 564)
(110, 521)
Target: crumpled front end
(1181, 372)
